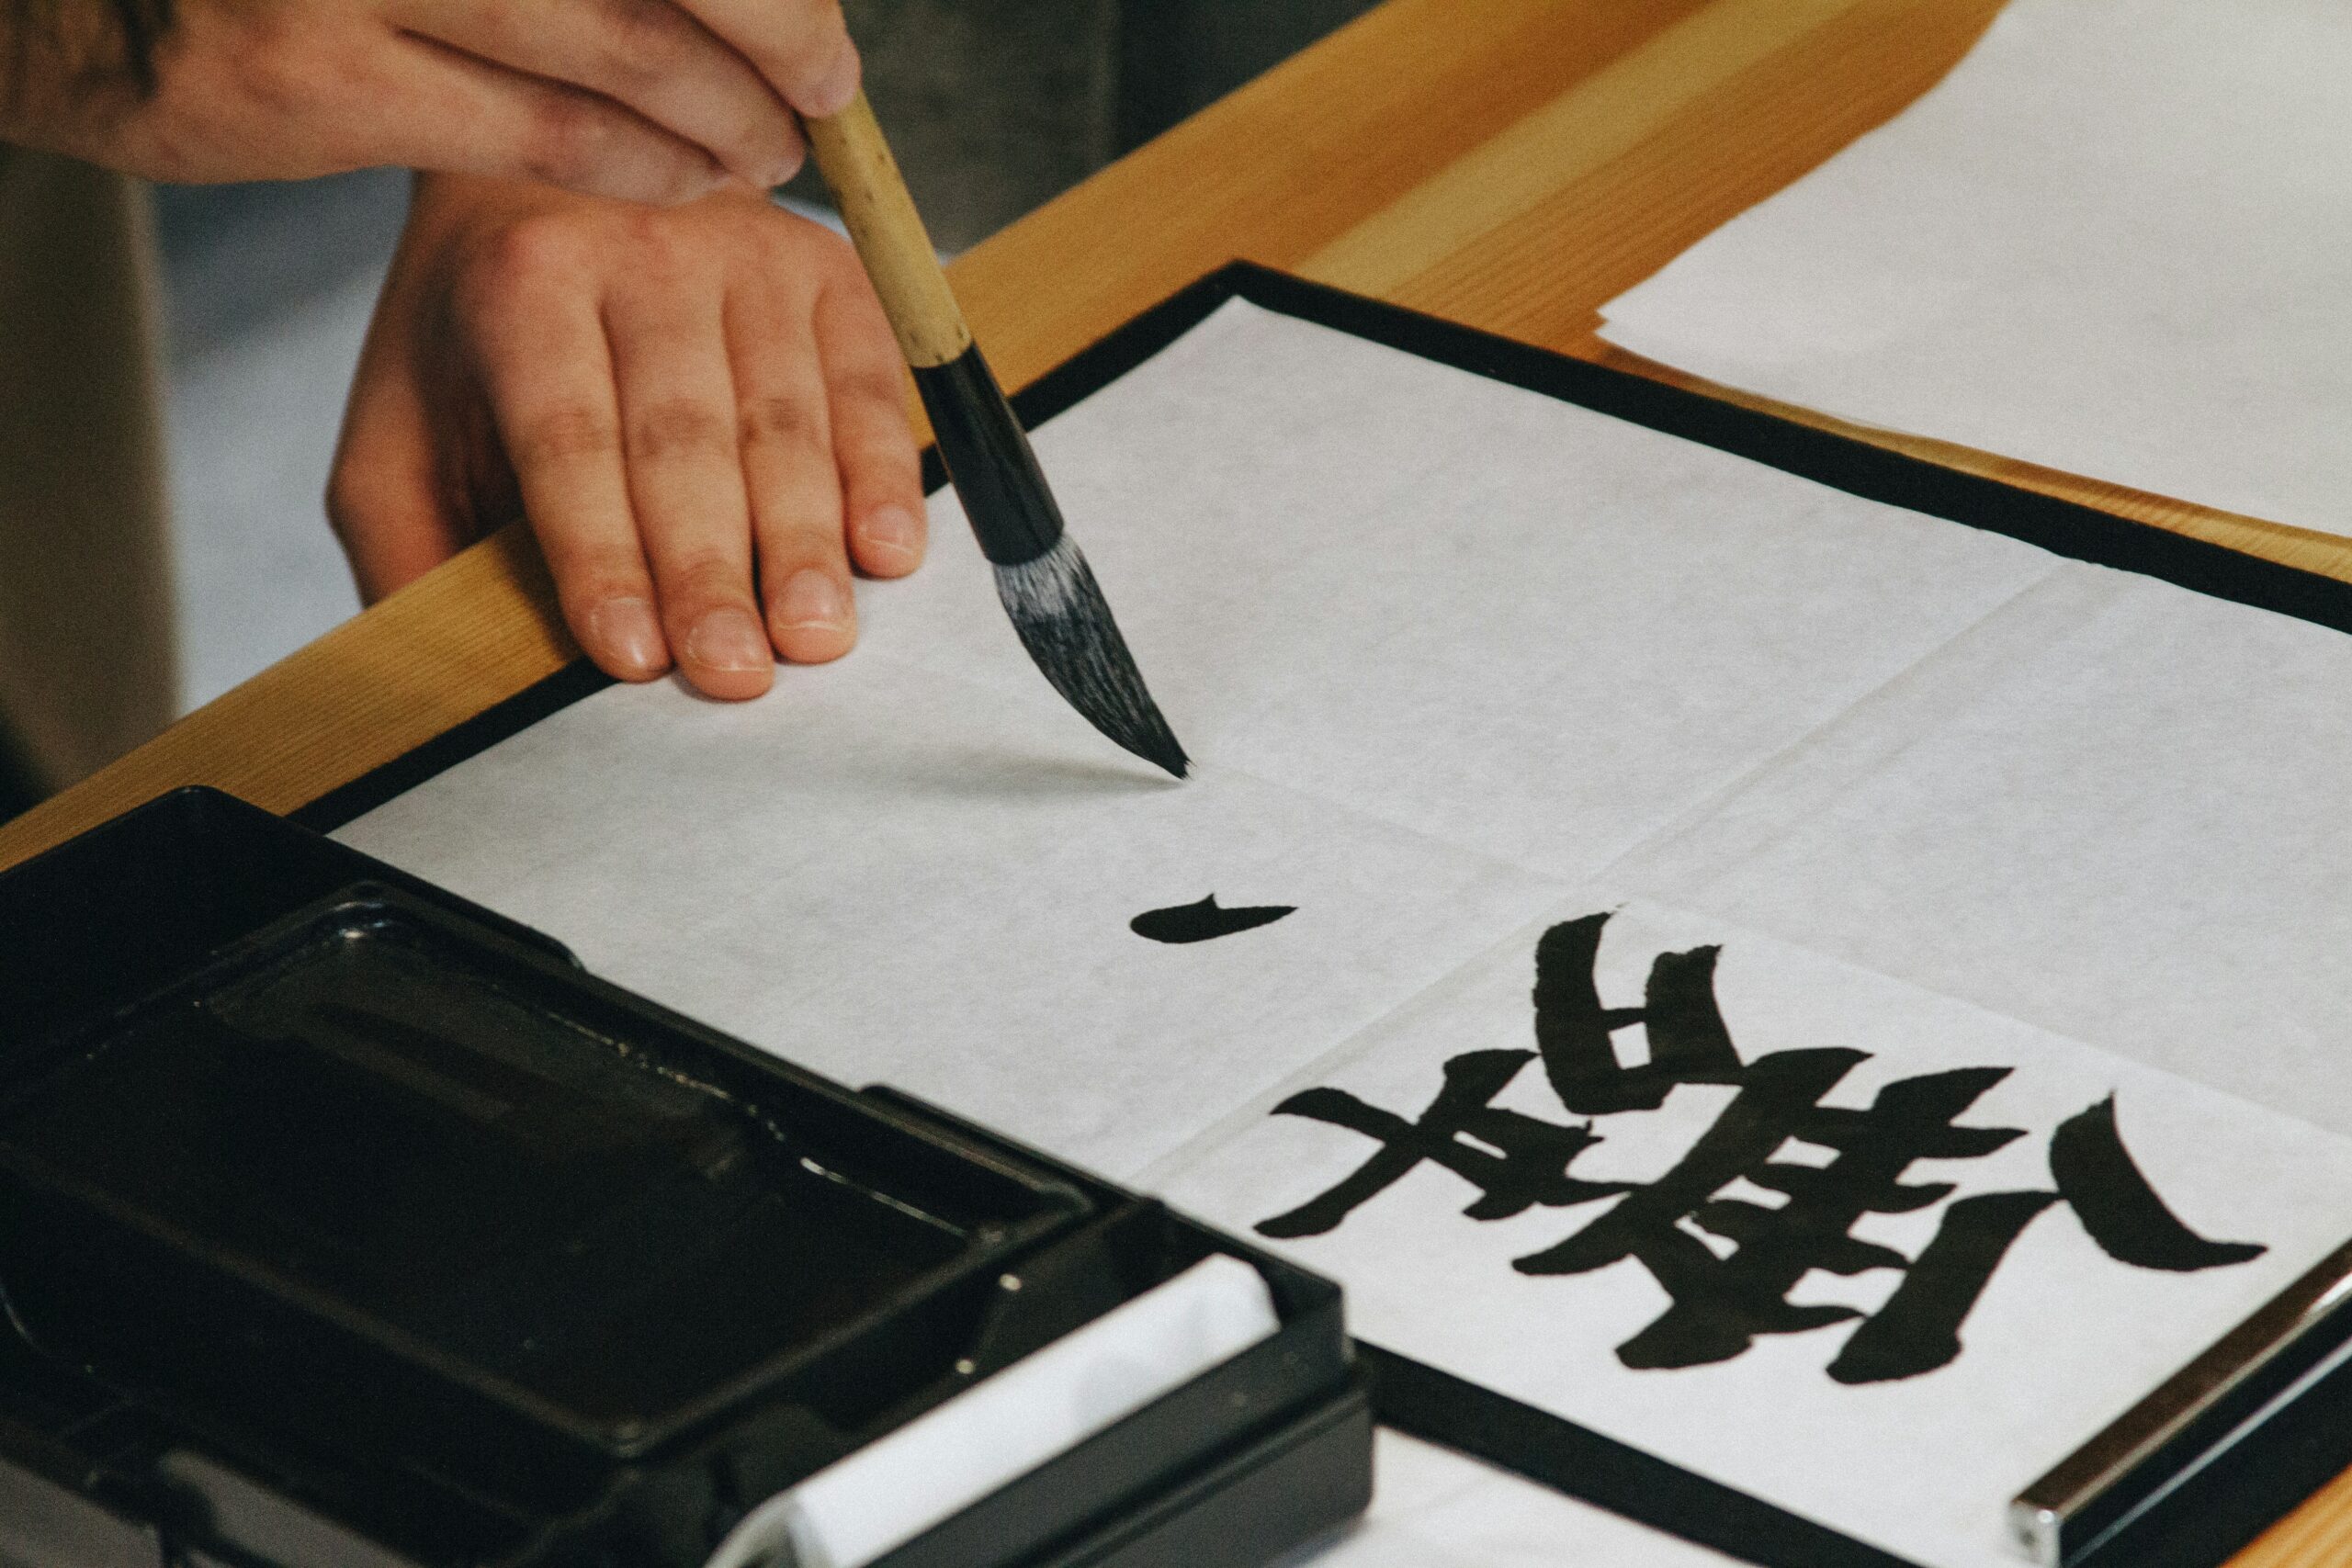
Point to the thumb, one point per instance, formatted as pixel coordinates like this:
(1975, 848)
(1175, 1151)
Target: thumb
(386, 496)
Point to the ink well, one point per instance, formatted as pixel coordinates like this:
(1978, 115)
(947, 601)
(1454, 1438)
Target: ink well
(345, 1224)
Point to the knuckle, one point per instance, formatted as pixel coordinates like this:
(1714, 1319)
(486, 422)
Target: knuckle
(362, 498)
(349, 484)
(562, 139)
(563, 434)
(664, 247)
(572, 138)
(769, 424)
(524, 252)
(346, 504)
(276, 62)
(680, 427)
(643, 40)
(702, 579)
(875, 395)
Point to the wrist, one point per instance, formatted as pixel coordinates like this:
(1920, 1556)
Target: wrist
(438, 200)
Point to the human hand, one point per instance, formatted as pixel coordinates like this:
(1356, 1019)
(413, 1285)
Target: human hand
(701, 411)
(654, 100)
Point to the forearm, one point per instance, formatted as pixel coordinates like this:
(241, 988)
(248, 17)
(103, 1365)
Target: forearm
(657, 101)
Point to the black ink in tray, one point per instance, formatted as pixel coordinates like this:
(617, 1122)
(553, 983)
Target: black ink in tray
(349, 1179)
(357, 1114)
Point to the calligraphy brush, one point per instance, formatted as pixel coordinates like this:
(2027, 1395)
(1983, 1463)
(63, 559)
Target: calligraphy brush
(1044, 583)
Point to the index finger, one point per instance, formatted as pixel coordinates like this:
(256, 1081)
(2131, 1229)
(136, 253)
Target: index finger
(802, 47)
(652, 59)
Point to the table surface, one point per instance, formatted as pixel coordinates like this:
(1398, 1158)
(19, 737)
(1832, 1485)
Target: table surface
(1512, 164)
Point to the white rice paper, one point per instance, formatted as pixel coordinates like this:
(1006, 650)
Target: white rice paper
(2116, 239)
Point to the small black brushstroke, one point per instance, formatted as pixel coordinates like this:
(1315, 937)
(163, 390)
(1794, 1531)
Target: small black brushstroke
(2098, 1175)
(1203, 921)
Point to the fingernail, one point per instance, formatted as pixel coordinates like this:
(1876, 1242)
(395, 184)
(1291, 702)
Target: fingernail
(812, 599)
(626, 631)
(728, 639)
(893, 533)
(831, 92)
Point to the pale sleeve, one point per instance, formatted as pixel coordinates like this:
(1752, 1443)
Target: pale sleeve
(87, 665)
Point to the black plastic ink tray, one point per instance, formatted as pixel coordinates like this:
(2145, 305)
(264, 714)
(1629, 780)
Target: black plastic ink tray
(345, 1224)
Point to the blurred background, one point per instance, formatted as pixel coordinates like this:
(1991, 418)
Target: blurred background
(993, 105)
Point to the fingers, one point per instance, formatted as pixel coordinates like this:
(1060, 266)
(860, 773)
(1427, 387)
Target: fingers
(541, 344)
(683, 397)
(873, 445)
(802, 47)
(471, 115)
(651, 56)
(786, 441)
(687, 481)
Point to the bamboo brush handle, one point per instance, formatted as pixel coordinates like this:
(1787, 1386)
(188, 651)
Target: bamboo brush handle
(865, 183)
(996, 476)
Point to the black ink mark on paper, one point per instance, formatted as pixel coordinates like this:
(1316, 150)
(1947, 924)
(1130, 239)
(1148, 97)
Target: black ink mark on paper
(1203, 921)
(1722, 1303)
(2096, 1174)
(1723, 1299)
(1687, 1041)
(1918, 1328)
(1515, 1161)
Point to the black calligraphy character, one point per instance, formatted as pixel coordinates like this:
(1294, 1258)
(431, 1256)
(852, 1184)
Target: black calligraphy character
(1724, 1296)
(1514, 1160)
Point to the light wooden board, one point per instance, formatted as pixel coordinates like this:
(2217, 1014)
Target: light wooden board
(1512, 165)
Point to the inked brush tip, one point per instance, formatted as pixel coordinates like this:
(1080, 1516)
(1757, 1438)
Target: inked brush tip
(1158, 746)
(1063, 620)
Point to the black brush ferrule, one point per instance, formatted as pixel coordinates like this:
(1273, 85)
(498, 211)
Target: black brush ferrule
(988, 459)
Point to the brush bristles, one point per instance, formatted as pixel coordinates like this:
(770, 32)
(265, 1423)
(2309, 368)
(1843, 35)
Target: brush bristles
(1058, 609)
